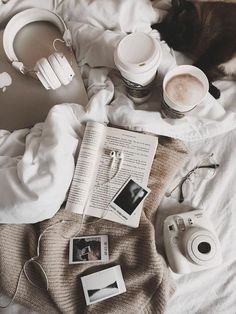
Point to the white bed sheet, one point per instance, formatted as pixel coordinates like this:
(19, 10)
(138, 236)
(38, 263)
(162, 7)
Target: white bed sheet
(210, 291)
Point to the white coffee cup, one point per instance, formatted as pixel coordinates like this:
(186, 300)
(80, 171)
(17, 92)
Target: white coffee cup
(174, 109)
(137, 57)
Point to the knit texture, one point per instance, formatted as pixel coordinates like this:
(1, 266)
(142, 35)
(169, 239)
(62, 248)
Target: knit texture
(144, 270)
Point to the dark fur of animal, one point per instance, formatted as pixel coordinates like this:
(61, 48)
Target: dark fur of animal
(206, 32)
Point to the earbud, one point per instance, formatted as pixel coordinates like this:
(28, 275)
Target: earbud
(120, 154)
(121, 158)
(112, 154)
(116, 155)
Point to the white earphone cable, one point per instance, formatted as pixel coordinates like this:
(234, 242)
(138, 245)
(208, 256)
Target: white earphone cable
(98, 186)
(34, 258)
(62, 41)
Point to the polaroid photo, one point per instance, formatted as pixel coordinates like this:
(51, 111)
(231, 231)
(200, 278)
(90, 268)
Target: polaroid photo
(128, 198)
(88, 249)
(103, 285)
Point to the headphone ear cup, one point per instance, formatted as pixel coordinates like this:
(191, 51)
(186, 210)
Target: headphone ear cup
(58, 69)
(65, 65)
(46, 74)
(42, 79)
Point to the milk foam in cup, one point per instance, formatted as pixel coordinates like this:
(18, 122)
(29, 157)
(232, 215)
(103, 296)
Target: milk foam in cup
(137, 57)
(184, 87)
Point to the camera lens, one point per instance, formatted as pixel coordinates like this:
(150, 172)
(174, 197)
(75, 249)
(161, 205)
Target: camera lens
(201, 245)
(204, 247)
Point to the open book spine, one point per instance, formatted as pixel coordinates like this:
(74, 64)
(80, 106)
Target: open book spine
(86, 167)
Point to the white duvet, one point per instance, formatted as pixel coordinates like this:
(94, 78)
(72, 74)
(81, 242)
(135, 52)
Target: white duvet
(36, 165)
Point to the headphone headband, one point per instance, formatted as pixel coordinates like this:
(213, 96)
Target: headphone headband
(22, 19)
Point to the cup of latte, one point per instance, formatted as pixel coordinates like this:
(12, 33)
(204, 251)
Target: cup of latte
(184, 87)
(137, 57)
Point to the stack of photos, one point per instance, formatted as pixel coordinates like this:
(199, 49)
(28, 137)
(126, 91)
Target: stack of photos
(88, 249)
(129, 197)
(103, 285)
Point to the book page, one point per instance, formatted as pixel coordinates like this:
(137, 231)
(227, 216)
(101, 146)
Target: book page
(86, 167)
(138, 151)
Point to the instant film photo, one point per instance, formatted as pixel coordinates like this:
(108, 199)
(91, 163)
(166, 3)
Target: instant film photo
(103, 285)
(88, 249)
(128, 198)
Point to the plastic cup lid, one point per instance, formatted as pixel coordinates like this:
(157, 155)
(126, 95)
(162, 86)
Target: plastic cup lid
(137, 53)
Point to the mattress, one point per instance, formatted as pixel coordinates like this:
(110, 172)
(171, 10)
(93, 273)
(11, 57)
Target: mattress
(97, 27)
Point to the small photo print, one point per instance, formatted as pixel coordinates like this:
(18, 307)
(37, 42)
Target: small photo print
(103, 285)
(88, 249)
(129, 198)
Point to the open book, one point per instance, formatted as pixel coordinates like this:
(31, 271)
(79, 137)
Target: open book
(98, 177)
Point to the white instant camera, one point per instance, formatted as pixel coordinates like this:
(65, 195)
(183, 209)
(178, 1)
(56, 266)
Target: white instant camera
(191, 243)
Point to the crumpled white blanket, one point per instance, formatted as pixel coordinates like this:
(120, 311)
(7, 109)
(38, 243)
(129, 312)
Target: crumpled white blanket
(36, 165)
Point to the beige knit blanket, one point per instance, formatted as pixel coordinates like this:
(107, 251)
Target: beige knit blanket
(145, 273)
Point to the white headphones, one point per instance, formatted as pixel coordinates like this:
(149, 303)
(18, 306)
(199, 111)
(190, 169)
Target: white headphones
(53, 71)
